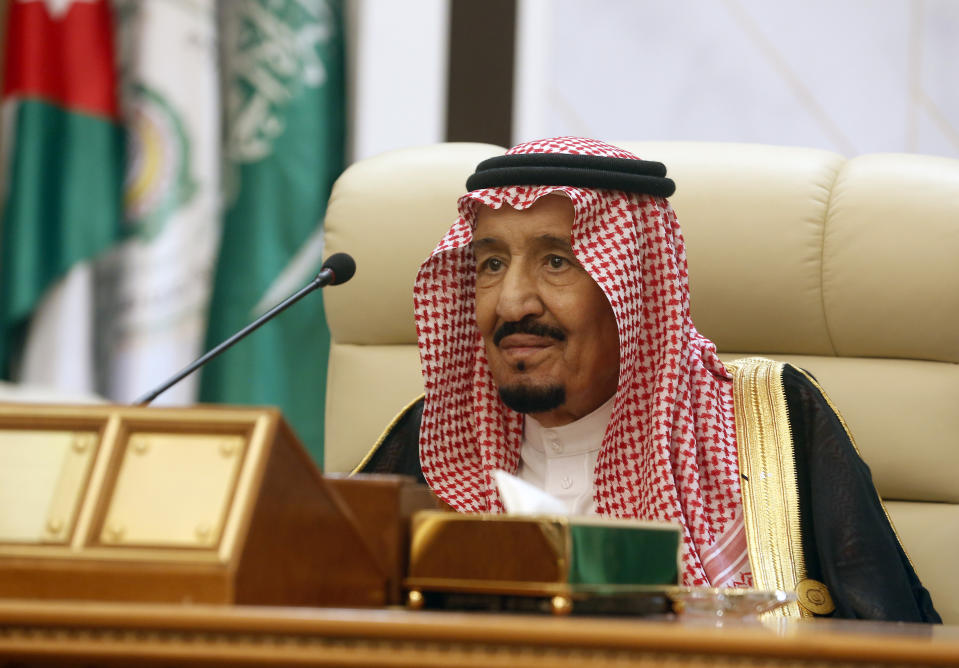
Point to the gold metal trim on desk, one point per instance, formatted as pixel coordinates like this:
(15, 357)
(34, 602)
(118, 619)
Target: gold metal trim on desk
(174, 635)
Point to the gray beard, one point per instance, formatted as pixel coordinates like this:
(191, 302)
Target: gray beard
(526, 399)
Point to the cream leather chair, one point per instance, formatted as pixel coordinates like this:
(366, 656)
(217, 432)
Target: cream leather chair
(848, 268)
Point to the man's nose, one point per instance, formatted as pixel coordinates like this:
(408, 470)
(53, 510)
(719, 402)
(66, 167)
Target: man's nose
(518, 296)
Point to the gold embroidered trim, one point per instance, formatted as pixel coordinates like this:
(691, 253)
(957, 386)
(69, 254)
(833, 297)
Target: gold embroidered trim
(379, 441)
(855, 447)
(768, 478)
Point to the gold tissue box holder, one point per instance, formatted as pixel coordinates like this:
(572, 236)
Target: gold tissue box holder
(498, 562)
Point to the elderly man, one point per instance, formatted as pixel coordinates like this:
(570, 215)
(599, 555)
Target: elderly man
(556, 344)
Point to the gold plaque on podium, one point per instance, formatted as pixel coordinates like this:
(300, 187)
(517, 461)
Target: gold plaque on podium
(206, 504)
(42, 473)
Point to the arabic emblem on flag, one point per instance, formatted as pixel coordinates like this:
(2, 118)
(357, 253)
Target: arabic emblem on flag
(158, 157)
(271, 51)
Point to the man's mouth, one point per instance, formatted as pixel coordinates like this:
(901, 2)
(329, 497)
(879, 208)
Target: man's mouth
(522, 343)
(523, 350)
(514, 341)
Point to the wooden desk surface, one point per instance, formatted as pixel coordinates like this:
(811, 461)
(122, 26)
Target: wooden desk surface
(78, 633)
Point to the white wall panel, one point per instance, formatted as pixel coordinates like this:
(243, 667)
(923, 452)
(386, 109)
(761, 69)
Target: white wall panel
(856, 76)
(397, 74)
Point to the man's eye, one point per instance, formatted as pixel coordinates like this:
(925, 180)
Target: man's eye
(491, 264)
(557, 262)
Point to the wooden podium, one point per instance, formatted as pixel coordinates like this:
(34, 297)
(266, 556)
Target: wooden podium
(203, 505)
(221, 506)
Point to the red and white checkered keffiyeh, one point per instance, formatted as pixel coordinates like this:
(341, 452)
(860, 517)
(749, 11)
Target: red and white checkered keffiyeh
(669, 452)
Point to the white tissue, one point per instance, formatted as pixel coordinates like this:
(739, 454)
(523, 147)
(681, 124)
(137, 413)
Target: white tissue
(521, 498)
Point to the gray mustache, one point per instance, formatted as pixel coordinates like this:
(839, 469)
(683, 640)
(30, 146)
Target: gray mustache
(527, 327)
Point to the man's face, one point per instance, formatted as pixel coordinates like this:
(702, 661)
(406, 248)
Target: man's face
(550, 334)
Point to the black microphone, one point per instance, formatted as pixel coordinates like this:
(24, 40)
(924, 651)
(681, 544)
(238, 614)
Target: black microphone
(338, 269)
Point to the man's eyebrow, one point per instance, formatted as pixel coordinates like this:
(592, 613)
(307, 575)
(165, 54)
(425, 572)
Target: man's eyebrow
(486, 242)
(552, 241)
(544, 241)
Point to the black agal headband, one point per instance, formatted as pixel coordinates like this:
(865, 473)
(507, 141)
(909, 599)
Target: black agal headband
(566, 169)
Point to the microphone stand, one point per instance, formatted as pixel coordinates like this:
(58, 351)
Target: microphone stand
(321, 279)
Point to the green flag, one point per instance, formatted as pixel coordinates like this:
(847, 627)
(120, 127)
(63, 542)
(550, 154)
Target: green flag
(284, 142)
(65, 166)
